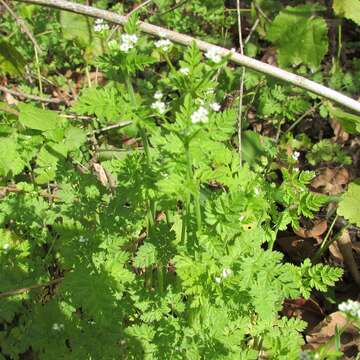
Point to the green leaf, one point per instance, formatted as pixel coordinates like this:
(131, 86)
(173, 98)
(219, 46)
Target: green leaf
(146, 255)
(10, 161)
(350, 122)
(74, 138)
(299, 36)
(349, 206)
(76, 27)
(349, 9)
(11, 61)
(37, 119)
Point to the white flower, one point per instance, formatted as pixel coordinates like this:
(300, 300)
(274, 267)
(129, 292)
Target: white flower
(129, 39)
(83, 239)
(350, 308)
(226, 272)
(125, 47)
(6, 247)
(128, 42)
(100, 25)
(162, 33)
(158, 95)
(215, 106)
(217, 280)
(200, 116)
(296, 169)
(163, 45)
(185, 71)
(210, 91)
(58, 327)
(159, 106)
(214, 55)
(296, 155)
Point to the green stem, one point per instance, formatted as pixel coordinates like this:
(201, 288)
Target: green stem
(190, 176)
(38, 71)
(151, 205)
(166, 56)
(325, 243)
(160, 278)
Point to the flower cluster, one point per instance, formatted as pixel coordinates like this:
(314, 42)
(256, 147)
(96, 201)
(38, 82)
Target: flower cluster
(128, 42)
(296, 155)
(214, 55)
(58, 327)
(83, 239)
(201, 115)
(100, 25)
(159, 105)
(224, 274)
(184, 71)
(351, 308)
(6, 247)
(215, 106)
(163, 44)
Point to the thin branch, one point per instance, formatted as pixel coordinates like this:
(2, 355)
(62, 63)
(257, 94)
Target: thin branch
(344, 243)
(241, 82)
(23, 26)
(29, 96)
(253, 28)
(138, 8)
(29, 288)
(120, 124)
(237, 58)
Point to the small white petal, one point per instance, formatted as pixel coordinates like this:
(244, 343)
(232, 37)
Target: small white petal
(158, 95)
(213, 55)
(185, 71)
(226, 272)
(217, 280)
(163, 45)
(159, 106)
(215, 106)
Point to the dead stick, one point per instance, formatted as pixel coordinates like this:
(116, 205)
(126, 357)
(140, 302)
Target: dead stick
(237, 58)
(29, 288)
(344, 243)
(29, 96)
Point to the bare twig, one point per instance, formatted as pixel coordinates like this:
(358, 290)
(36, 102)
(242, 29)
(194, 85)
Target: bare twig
(29, 288)
(253, 28)
(237, 58)
(23, 25)
(241, 82)
(138, 8)
(344, 243)
(120, 124)
(303, 116)
(29, 96)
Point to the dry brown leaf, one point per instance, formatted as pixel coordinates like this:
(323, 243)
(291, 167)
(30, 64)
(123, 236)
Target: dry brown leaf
(325, 331)
(331, 181)
(340, 134)
(305, 309)
(297, 248)
(100, 174)
(318, 228)
(10, 99)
